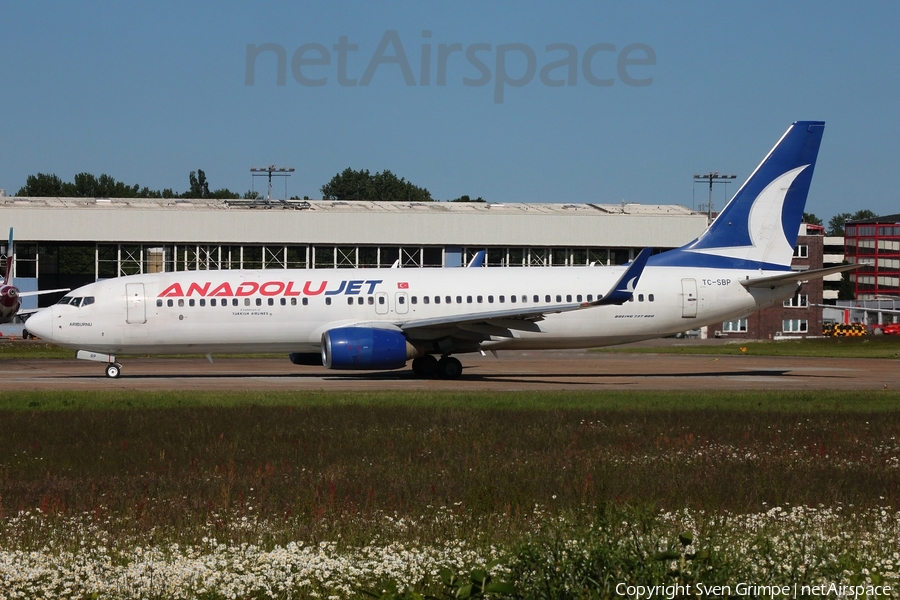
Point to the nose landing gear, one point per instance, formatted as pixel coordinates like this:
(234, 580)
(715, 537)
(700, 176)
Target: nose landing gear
(113, 369)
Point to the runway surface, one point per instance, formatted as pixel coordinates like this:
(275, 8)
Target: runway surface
(547, 370)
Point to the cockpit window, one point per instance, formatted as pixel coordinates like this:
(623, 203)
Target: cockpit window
(76, 301)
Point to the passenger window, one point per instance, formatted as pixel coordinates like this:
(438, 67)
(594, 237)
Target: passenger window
(350, 301)
(448, 300)
(459, 299)
(578, 298)
(169, 303)
(547, 298)
(271, 301)
(372, 300)
(327, 301)
(490, 299)
(437, 299)
(202, 301)
(469, 299)
(212, 302)
(512, 298)
(159, 303)
(259, 301)
(191, 302)
(246, 301)
(558, 298)
(650, 297)
(234, 301)
(414, 300)
(180, 302)
(380, 300)
(426, 299)
(524, 298)
(401, 300)
(568, 297)
(536, 298)
(360, 300)
(284, 301)
(480, 299)
(590, 298)
(502, 299)
(293, 302)
(306, 302)
(640, 297)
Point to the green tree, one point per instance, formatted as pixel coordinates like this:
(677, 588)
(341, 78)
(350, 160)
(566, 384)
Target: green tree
(846, 290)
(466, 198)
(199, 186)
(42, 185)
(836, 224)
(383, 186)
(811, 219)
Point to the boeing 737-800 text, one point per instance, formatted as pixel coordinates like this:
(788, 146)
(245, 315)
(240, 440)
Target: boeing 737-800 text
(382, 318)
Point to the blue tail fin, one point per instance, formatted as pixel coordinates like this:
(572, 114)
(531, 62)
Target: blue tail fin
(759, 227)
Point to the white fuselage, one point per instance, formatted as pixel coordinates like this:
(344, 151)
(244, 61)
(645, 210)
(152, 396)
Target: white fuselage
(288, 310)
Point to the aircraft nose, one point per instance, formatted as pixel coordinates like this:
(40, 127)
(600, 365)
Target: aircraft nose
(41, 324)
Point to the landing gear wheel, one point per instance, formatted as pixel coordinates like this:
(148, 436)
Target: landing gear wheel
(449, 368)
(113, 370)
(425, 366)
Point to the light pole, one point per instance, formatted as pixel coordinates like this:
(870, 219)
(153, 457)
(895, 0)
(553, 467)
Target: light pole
(712, 177)
(272, 170)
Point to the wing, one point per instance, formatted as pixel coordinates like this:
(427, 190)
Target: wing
(480, 326)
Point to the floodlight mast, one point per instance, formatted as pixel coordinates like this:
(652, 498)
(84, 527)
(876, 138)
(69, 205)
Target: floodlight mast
(271, 171)
(712, 177)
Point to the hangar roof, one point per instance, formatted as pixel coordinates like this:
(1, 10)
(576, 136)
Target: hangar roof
(348, 222)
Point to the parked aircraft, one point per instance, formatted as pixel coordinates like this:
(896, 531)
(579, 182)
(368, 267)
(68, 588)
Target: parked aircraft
(10, 295)
(373, 319)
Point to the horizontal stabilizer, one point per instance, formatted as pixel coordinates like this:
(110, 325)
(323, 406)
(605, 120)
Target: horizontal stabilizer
(42, 292)
(777, 280)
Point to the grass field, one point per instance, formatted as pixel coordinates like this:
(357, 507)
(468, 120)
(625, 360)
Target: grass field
(881, 346)
(165, 495)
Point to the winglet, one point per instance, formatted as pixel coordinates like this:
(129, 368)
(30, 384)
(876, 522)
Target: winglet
(7, 280)
(623, 290)
(478, 259)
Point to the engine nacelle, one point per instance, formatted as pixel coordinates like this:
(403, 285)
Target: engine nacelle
(9, 302)
(365, 348)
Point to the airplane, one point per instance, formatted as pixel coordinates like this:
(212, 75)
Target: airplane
(10, 295)
(379, 319)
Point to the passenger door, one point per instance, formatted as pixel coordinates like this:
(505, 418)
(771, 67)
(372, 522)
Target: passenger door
(136, 305)
(688, 298)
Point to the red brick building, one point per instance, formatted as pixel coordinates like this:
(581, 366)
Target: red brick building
(798, 316)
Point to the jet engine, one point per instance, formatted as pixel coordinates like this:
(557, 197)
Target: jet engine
(366, 348)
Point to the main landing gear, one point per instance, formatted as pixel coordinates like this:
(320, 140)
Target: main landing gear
(113, 370)
(428, 367)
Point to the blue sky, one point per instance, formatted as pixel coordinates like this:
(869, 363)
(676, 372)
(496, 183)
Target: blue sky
(147, 92)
